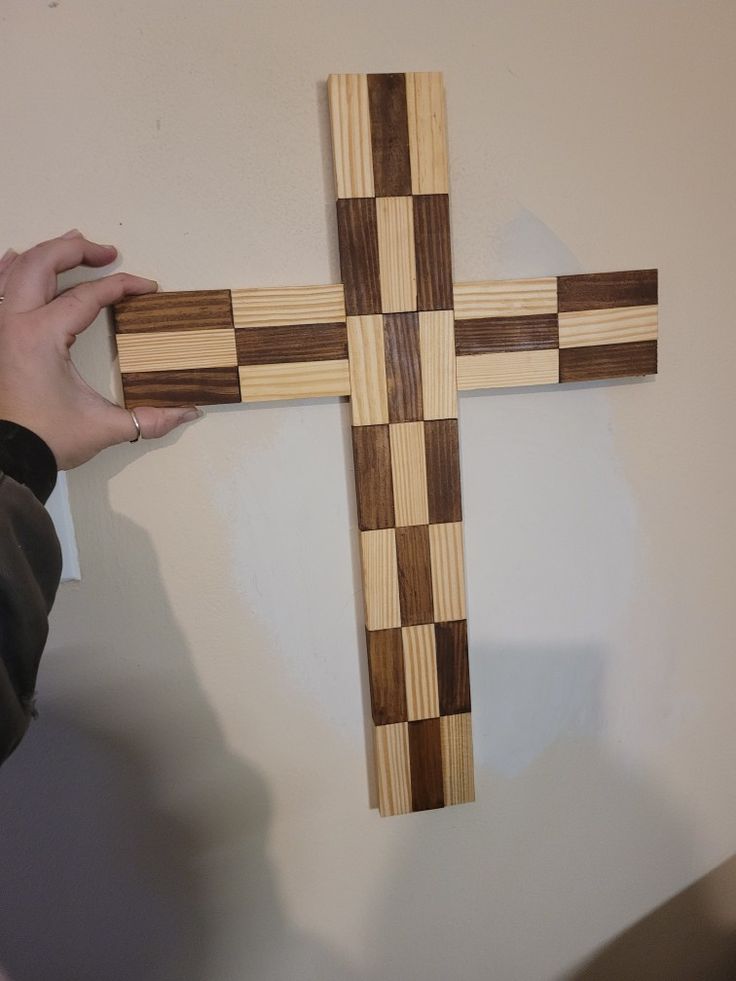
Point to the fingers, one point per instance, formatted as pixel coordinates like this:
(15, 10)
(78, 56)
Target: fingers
(32, 279)
(75, 309)
(154, 422)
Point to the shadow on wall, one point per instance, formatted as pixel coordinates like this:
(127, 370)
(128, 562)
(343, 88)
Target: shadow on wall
(101, 876)
(692, 937)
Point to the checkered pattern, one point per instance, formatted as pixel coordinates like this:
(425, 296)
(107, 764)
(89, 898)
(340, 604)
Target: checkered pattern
(398, 338)
(393, 225)
(563, 329)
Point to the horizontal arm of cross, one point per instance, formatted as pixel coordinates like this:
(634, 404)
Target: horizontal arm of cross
(221, 346)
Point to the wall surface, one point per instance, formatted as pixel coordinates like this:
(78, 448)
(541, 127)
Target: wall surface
(193, 802)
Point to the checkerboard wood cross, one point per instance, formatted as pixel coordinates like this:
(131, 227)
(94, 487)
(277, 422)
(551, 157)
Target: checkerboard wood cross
(400, 339)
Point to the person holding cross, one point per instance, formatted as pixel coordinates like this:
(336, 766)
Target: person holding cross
(50, 420)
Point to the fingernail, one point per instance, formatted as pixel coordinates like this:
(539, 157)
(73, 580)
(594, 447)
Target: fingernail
(72, 233)
(191, 414)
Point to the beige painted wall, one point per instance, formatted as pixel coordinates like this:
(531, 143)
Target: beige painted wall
(193, 802)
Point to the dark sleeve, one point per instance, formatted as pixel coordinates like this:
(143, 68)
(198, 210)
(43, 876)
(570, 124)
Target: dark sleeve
(30, 569)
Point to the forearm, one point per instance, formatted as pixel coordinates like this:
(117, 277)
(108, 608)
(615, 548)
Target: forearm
(30, 568)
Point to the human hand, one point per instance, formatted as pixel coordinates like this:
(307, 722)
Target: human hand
(39, 386)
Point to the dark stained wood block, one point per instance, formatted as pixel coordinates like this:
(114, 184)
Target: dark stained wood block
(453, 676)
(373, 481)
(305, 342)
(357, 232)
(191, 386)
(442, 447)
(403, 366)
(425, 761)
(433, 251)
(192, 310)
(608, 361)
(600, 291)
(386, 676)
(489, 335)
(389, 135)
(415, 575)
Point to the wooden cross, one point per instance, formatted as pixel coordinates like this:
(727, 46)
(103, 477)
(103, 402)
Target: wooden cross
(400, 339)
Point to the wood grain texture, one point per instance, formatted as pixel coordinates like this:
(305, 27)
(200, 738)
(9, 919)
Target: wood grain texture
(442, 444)
(295, 380)
(457, 759)
(380, 579)
(391, 744)
(191, 310)
(366, 353)
(415, 575)
(271, 345)
(433, 252)
(437, 348)
(389, 135)
(273, 306)
(420, 672)
(387, 677)
(396, 259)
(357, 234)
(351, 135)
(409, 472)
(601, 291)
(619, 325)
(507, 369)
(425, 759)
(448, 580)
(506, 298)
(485, 335)
(373, 484)
(425, 96)
(194, 386)
(403, 366)
(453, 676)
(172, 350)
(608, 361)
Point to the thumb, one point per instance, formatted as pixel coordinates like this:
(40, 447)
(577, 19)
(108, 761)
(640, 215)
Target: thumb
(155, 422)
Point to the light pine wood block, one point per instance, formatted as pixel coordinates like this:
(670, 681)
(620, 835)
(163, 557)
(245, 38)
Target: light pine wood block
(396, 257)
(420, 672)
(425, 98)
(507, 369)
(366, 353)
(177, 349)
(351, 135)
(380, 579)
(448, 579)
(437, 349)
(457, 759)
(288, 306)
(392, 769)
(620, 325)
(505, 298)
(294, 380)
(409, 471)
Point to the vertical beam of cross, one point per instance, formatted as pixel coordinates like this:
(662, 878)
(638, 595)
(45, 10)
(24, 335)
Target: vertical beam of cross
(390, 154)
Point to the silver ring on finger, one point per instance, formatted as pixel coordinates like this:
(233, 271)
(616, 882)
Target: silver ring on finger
(137, 425)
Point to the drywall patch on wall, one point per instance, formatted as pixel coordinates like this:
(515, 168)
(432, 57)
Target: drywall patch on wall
(301, 478)
(553, 559)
